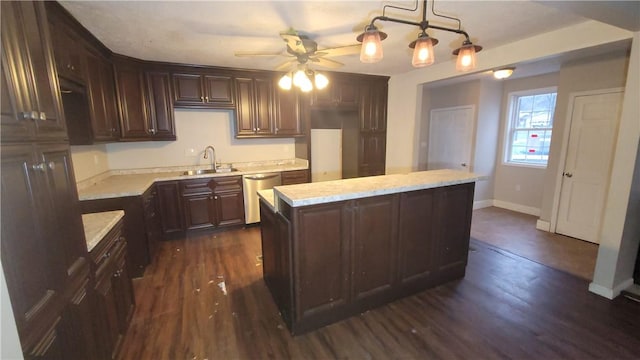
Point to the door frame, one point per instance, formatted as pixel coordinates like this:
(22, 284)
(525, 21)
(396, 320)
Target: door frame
(565, 149)
(472, 132)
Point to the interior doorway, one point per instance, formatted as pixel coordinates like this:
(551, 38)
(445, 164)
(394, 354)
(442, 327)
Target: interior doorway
(585, 176)
(450, 138)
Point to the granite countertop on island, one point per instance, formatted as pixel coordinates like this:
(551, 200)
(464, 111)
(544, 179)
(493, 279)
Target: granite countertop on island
(355, 188)
(97, 225)
(135, 182)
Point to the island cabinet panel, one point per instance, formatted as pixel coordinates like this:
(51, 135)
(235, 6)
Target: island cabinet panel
(417, 214)
(322, 253)
(349, 256)
(454, 205)
(374, 268)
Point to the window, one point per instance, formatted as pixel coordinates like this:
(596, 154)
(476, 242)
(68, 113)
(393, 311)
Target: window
(529, 127)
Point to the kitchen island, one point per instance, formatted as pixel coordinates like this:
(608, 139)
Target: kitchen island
(337, 248)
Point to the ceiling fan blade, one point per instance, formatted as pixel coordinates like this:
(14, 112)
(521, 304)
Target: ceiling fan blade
(257, 53)
(327, 62)
(294, 42)
(285, 65)
(342, 50)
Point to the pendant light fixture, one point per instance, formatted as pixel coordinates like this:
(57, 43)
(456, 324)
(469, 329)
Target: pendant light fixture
(423, 55)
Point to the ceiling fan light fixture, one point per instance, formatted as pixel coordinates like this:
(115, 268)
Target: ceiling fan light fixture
(306, 85)
(371, 51)
(321, 81)
(285, 82)
(466, 56)
(298, 77)
(423, 51)
(503, 73)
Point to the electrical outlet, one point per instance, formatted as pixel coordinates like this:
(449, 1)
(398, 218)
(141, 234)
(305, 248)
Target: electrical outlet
(190, 152)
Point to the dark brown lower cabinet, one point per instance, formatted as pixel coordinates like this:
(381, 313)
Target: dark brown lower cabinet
(139, 247)
(113, 300)
(170, 212)
(196, 204)
(325, 262)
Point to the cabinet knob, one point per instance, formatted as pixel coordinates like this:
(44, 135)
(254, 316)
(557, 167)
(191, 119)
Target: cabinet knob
(254, 129)
(39, 167)
(43, 116)
(113, 130)
(51, 165)
(216, 197)
(206, 98)
(201, 98)
(68, 66)
(258, 129)
(277, 129)
(106, 256)
(73, 67)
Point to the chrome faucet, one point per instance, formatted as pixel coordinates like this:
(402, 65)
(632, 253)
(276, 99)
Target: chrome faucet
(213, 158)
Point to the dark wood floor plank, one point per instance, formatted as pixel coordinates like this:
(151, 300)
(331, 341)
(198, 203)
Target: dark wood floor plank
(506, 307)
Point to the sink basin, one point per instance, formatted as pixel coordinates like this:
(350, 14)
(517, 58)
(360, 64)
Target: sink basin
(209, 171)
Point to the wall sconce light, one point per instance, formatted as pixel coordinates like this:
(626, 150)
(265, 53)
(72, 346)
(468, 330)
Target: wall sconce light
(423, 55)
(503, 73)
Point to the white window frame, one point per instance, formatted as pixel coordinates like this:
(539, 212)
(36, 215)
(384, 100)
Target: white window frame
(509, 125)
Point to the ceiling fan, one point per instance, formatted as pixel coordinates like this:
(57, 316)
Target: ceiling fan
(303, 50)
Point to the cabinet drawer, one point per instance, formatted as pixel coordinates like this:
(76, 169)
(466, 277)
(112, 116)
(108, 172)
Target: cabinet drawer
(106, 266)
(295, 177)
(198, 186)
(227, 184)
(106, 246)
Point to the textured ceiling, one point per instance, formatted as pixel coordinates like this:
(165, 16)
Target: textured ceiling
(208, 33)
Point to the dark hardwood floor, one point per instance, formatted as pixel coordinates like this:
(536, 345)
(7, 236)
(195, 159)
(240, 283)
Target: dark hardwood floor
(505, 307)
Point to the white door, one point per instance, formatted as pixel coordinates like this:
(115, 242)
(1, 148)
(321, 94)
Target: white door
(326, 154)
(594, 126)
(450, 137)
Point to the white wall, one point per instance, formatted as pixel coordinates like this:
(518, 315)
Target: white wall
(9, 341)
(405, 90)
(519, 185)
(89, 161)
(619, 243)
(195, 129)
(487, 132)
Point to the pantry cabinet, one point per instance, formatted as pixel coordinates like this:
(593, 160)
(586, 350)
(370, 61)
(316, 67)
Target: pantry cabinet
(31, 105)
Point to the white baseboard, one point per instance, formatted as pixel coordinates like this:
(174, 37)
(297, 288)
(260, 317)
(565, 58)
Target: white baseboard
(517, 207)
(543, 225)
(482, 204)
(610, 293)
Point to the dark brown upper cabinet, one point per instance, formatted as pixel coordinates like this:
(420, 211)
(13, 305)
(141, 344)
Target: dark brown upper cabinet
(340, 93)
(373, 106)
(145, 102)
(102, 98)
(68, 55)
(203, 90)
(254, 113)
(287, 112)
(161, 117)
(31, 105)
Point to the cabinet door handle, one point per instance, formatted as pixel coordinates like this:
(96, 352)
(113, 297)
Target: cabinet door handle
(39, 167)
(51, 165)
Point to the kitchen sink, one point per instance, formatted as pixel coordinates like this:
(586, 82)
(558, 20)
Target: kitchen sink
(209, 171)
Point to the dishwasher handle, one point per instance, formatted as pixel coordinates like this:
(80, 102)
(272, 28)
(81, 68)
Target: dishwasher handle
(261, 176)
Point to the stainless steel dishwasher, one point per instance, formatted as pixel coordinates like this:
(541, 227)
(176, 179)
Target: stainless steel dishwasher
(250, 186)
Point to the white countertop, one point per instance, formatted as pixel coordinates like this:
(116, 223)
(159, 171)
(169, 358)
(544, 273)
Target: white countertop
(347, 189)
(268, 197)
(97, 225)
(136, 182)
